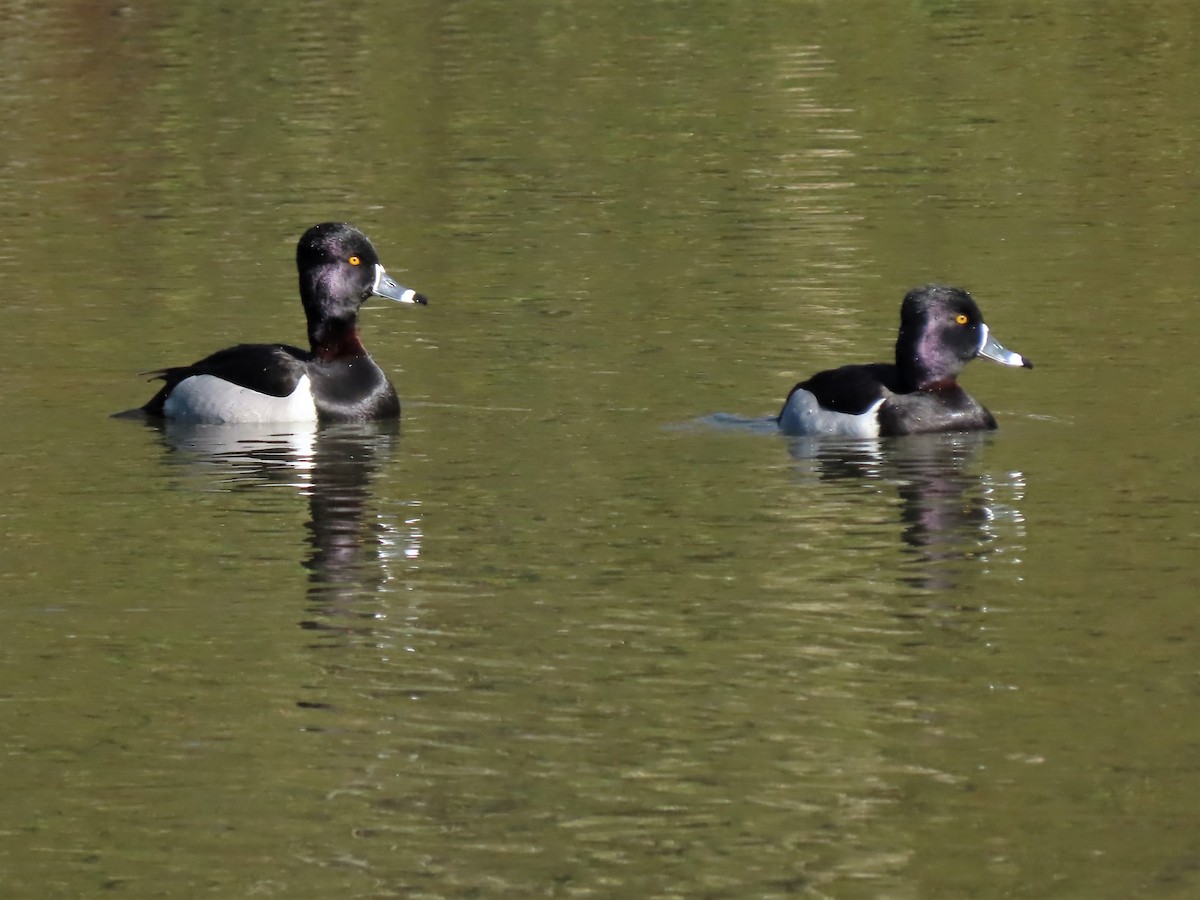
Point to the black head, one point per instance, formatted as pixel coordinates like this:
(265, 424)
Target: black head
(337, 264)
(339, 270)
(941, 330)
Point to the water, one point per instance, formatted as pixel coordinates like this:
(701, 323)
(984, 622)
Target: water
(576, 628)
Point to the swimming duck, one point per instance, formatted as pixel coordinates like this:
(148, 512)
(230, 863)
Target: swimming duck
(941, 330)
(335, 380)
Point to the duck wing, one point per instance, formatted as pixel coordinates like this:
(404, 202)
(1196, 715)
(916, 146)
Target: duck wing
(272, 369)
(851, 390)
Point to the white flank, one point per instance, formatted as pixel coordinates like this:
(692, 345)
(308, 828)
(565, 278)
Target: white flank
(803, 415)
(206, 398)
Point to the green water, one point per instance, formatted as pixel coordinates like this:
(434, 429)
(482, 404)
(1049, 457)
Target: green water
(565, 633)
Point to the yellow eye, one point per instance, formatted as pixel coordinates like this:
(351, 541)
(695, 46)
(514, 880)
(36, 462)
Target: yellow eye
(354, 261)
(961, 319)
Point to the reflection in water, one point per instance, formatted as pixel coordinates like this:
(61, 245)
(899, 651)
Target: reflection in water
(355, 547)
(948, 512)
(234, 457)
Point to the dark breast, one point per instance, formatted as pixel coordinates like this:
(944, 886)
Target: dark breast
(352, 390)
(938, 408)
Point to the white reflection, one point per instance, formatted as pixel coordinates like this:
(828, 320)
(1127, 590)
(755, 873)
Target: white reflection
(355, 547)
(948, 511)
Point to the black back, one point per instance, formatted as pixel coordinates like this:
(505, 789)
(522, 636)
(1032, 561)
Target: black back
(273, 369)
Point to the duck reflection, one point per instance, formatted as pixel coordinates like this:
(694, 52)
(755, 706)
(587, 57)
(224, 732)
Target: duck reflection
(948, 510)
(354, 548)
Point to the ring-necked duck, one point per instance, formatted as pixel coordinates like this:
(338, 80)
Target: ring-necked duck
(941, 330)
(334, 381)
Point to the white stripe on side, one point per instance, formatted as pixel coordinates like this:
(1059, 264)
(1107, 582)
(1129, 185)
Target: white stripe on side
(206, 398)
(804, 416)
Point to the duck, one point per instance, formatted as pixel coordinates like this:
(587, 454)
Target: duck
(941, 330)
(334, 380)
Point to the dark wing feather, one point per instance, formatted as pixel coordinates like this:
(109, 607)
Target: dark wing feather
(850, 389)
(272, 369)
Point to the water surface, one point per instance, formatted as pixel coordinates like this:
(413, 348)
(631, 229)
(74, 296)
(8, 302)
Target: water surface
(566, 632)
